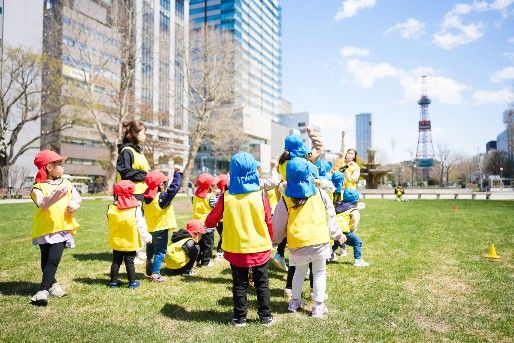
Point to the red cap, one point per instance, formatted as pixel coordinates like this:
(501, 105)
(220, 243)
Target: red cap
(153, 179)
(195, 226)
(203, 182)
(222, 182)
(42, 159)
(124, 191)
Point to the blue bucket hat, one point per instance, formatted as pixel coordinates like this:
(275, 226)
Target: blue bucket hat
(300, 181)
(243, 174)
(338, 181)
(294, 144)
(351, 196)
(324, 168)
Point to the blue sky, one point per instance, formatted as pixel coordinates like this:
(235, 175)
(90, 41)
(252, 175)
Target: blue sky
(343, 57)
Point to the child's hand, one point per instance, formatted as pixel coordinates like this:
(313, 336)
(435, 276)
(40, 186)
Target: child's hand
(342, 240)
(60, 191)
(70, 209)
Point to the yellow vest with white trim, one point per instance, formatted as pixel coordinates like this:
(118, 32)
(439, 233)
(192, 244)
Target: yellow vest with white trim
(123, 234)
(201, 207)
(176, 256)
(139, 163)
(55, 218)
(244, 226)
(158, 218)
(307, 224)
(343, 220)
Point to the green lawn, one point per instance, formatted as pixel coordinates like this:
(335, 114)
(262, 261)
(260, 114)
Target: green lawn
(427, 281)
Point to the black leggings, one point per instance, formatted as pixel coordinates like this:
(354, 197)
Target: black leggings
(219, 228)
(50, 257)
(117, 260)
(206, 244)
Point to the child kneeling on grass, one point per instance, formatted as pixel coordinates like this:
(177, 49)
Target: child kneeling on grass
(160, 218)
(247, 233)
(183, 250)
(127, 228)
(309, 225)
(54, 224)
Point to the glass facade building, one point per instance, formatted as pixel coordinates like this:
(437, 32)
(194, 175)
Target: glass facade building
(256, 27)
(364, 134)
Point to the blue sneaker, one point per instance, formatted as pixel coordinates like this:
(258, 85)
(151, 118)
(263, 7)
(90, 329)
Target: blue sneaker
(134, 284)
(114, 284)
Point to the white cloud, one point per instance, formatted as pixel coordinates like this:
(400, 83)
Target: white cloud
(506, 73)
(509, 55)
(510, 40)
(365, 74)
(453, 32)
(502, 96)
(331, 126)
(411, 28)
(349, 8)
(352, 51)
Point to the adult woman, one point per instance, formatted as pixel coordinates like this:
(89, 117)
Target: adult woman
(351, 169)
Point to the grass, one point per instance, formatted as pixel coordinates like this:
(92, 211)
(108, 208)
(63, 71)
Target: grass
(427, 283)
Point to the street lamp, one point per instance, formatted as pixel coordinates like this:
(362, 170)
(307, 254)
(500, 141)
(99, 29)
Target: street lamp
(501, 178)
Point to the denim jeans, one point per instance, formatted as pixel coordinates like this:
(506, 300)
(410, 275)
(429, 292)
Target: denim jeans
(157, 249)
(353, 240)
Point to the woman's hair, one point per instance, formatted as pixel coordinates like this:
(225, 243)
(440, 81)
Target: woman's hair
(297, 202)
(284, 157)
(355, 151)
(132, 128)
(337, 197)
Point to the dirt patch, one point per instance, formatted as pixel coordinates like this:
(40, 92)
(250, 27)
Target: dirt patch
(431, 325)
(183, 205)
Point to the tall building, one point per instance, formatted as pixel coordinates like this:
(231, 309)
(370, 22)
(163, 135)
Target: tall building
(256, 27)
(100, 51)
(364, 133)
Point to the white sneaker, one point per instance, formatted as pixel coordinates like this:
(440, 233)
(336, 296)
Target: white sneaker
(295, 305)
(319, 310)
(279, 262)
(343, 252)
(359, 262)
(219, 255)
(40, 298)
(57, 291)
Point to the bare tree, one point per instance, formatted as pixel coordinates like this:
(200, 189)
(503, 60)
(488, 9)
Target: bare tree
(20, 102)
(225, 136)
(211, 74)
(496, 159)
(447, 160)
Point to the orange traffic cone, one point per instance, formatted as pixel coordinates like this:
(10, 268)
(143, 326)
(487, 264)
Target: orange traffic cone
(492, 252)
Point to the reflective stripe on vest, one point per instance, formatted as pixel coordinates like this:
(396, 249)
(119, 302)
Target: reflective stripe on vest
(244, 225)
(55, 218)
(158, 218)
(123, 234)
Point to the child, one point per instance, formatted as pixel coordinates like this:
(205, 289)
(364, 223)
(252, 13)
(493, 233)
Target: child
(247, 231)
(126, 229)
(201, 209)
(53, 224)
(222, 186)
(160, 218)
(309, 225)
(399, 192)
(183, 250)
(348, 218)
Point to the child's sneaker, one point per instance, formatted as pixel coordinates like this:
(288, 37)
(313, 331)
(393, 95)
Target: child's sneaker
(295, 305)
(239, 322)
(319, 310)
(288, 293)
(40, 298)
(115, 284)
(157, 278)
(333, 257)
(279, 262)
(343, 252)
(134, 284)
(189, 273)
(219, 255)
(359, 262)
(57, 291)
(266, 321)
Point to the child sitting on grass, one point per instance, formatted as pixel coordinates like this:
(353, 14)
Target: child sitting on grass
(127, 228)
(183, 250)
(54, 224)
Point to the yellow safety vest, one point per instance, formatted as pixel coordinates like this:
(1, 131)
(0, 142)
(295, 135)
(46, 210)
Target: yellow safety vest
(348, 184)
(273, 200)
(307, 224)
(201, 207)
(55, 218)
(158, 218)
(123, 234)
(343, 220)
(244, 225)
(176, 256)
(282, 170)
(140, 163)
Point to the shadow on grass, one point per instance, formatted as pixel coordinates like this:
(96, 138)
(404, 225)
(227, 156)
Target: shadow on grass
(177, 312)
(219, 280)
(276, 307)
(94, 256)
(22, 288)
(105, 280)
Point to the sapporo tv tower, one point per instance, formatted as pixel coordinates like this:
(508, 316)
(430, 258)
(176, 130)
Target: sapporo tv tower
(425, 149)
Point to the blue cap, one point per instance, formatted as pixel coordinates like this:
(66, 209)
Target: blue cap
(243, 174)
(351, 196)
(294, 144)
(338, 180)
(300, 181)
(324, 168)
